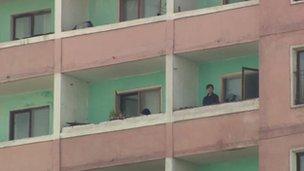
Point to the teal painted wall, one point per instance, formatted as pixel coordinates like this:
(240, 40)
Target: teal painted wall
(212, 3)
(22, 101)
(208, 3)
(244, 164)
(12, 7)
(103, 12)
(102, 94)
(212, 72)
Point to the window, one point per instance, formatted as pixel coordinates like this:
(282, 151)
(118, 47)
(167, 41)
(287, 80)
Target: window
(135, 9)
(29, 123)
(31, 24)
(133, 103)
(300, 78)
(300, 161)
(232, 1)
(232, 88)
(241, 86)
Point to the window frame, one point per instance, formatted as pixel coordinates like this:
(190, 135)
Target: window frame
(298, 166)
(18, 112)
(139, 92)
(226, 2)
(297, 79)
(232, 76)
(293, 158)
(140, 10)
(224, 84)
(31, 15)
(243, 81)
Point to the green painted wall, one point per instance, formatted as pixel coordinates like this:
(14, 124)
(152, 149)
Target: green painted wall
(244, 164)
(103, 12)
(12, 7)
(212, 3)
(208, 3)
(22, 101)
(212, 72)
(102, 94)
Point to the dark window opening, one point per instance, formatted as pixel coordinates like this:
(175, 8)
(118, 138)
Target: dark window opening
(31, 24)
(29, 123)
(243, 86)
(135, 103)
(232, 1)
(135, 9)
(300, 78)
(300, 161)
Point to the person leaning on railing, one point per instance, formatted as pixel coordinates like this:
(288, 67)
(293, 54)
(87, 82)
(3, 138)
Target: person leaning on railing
(211, 98)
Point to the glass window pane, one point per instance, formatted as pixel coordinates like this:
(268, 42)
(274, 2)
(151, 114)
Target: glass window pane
(23, 27)
(129, 105)
(150, 100)
(251, 80)
(40, 121)
(152, 8)
(21, 125)
(233, 89)
(130, 9)
(301, 160)
(235, 1)
(42, 24)
(301, 77)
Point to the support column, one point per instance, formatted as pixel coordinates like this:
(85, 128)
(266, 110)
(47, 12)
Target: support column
(58, 17)
(173, 164)
(169, 106)
(170, 8)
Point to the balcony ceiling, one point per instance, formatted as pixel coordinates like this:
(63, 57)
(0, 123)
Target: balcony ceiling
(222, 156)
(27, 85)
(238, 50)
(121, 70)
(158, 165)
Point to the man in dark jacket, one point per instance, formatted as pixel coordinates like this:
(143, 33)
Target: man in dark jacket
(211, 98)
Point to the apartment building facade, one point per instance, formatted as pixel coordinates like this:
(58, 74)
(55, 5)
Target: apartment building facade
(117, 85)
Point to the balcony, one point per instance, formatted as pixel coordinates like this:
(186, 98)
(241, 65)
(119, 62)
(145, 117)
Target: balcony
(113, 97)
(79, 14)
(232, 73)
(25, 19)
(26, 110)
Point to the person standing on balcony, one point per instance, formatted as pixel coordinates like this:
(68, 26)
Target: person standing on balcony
(211, 98)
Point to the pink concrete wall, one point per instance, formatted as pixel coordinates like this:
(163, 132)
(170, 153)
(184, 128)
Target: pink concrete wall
(31, 157)
(274, 154)
(216, 133)
(114, 46)
(277, 116)
(280, 16)
(27, 60)
(217, 29)
(105, 149)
